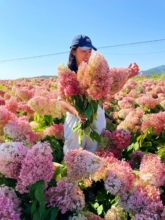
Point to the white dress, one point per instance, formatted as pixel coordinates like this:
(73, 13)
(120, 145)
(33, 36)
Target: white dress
(72, 140)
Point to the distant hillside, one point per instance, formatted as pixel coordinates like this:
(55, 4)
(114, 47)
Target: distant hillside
(155, 70)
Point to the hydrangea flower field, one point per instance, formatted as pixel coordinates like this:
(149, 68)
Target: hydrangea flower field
(123, 180)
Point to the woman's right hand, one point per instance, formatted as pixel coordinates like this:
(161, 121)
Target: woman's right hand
(82, 118)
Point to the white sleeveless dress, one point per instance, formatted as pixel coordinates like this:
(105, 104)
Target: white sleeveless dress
(72, 140)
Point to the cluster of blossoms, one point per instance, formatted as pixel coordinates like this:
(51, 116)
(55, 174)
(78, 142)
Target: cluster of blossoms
(94, 77)
(44, 106)
(9, 204)
(12, 104)
(119, 177)
(85, 215)
(132, 121)
(147, 102)
(126, 103)
(144, 202)
(68, 84)
(114, 142)
(156, 121)
(20, 130)
(67, 196)
(56, 130)
(37, 165)
(11, 156)
(5, 117)
(152, 170)
(24, 94)
(119, 77)
(116, 213)
(84, 164)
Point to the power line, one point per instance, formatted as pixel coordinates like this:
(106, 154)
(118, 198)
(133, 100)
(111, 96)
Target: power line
(141, 42)
(59, 53)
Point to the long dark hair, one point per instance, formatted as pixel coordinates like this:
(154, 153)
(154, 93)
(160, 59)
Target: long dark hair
(72, 64)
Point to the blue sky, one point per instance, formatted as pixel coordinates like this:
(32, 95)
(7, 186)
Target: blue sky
(30, 28)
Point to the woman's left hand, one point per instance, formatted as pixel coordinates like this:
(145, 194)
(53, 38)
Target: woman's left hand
(134, 70)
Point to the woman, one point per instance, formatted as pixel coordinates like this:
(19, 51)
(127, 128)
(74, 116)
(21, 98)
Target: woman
(81, 50)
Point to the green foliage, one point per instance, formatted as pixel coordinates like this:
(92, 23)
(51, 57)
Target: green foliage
(57, 148)
(35, 204)
(98, 199)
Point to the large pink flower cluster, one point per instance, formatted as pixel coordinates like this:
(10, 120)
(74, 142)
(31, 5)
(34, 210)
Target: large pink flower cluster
(5, 117)
(11, 157)
(39, 104)
(143, 201)
(94, 77)
(12, 104)
(9, 204)
(24, 93)
(152, 170)
(119, 178)
(68, 84)
(84, 164)
(20, 130)
(44, 106)
(147, 102)
(56, 130)
(155, 121)
(132, 121)
(37, 165)
(67, 196)
(119, 77)
(121, 138)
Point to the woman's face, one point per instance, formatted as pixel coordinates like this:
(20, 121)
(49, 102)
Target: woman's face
(82, 55)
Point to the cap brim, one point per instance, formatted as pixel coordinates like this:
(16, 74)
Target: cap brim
(88, 48)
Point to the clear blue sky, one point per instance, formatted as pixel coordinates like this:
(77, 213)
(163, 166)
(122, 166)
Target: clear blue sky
(40, 27)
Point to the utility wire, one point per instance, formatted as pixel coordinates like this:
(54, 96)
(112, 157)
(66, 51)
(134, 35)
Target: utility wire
(53, 54)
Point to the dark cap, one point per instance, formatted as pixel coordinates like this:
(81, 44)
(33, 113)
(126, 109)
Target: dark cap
(83, 42)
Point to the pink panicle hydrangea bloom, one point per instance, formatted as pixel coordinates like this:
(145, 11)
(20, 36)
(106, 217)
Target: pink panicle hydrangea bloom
(67, 196)
(146, 101)
(68, 84)
(152, 170)
(122, 113)
(20, 130)
(24, 94)
(115, 213)
(96, 77)
(119, 77)
(84, 164)
(39, 104)
(37, 165)
(9, 204)
(12, 104)
(56, 130)
(155, 121)
(24, 108)
(5, 117)
(11, 157)
(126, 103)
(2, 101)
(119, 178)
(121, 138)
(55, 109)
(141, 200)
(132, 121)
(44, 106)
